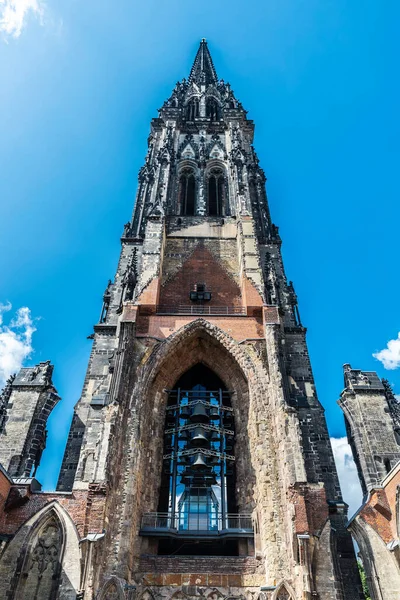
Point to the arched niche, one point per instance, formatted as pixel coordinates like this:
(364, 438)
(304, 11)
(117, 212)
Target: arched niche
(199, 342)
(283, 592)
(112, 590)
(44, 557)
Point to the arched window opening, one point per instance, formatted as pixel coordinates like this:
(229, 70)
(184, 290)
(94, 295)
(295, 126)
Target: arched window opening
(193, 109)
(40, 576)
(283, 594)
(212, 109)
(197, 494)
(187, 192)
(216, 193)
(388, 466)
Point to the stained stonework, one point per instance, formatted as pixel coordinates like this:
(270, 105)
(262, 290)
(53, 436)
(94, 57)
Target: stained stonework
(198, 464)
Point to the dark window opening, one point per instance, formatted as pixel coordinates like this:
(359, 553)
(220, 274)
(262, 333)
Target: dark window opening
(212, 109)
(387, 464)
(216, 193)
(192, 109)
(187, 192)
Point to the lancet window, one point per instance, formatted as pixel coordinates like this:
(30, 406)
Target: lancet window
(41, 572)
(216, 193)
(193, 109)
(212, 109)
(187, 192)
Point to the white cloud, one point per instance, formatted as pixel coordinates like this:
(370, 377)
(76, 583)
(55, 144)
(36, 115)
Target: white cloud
(15, 340)
(390, 356)
(347, 472)
(14, 14)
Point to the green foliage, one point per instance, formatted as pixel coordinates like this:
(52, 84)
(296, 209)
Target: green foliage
(363, 580)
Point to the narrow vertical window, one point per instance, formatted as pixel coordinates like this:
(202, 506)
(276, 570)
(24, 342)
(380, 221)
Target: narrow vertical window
(192, 109)
(212, 109)
(216, 193)
(41, 572)
(187, 192)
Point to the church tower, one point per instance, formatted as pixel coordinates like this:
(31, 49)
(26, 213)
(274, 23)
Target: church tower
(199, 442)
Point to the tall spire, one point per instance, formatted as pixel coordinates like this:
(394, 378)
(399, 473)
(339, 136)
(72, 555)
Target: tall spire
(203, 70)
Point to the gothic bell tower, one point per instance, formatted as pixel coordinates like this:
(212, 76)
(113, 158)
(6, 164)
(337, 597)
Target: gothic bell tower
(199, 436)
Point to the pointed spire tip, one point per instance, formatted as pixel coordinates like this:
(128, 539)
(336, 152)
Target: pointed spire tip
(203, 70)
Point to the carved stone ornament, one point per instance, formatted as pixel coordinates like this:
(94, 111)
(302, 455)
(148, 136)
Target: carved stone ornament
(111, 593)
(47, 548)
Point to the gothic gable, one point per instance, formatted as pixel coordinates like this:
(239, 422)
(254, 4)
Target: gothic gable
(112, 590)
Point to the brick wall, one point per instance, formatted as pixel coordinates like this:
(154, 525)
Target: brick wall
(213, 262)
(85, 508)
(162, 326)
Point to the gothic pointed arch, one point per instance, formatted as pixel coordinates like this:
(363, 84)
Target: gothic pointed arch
(112, 590)
(217, 191)
(283, 592)
(146, 594)
(190, 344)
(201, 342)
(45, 552)
(192, 108)
(187, 189)
(381, 569)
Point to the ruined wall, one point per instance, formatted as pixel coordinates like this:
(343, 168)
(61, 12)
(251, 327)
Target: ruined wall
(371, 426)
(30, 399)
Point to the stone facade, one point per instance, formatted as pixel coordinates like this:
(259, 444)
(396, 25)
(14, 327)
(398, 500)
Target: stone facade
(200, 288)
(26, 403)
(372, 415)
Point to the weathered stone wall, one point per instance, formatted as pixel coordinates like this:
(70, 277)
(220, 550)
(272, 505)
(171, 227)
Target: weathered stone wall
(31, 399)
(370, 425)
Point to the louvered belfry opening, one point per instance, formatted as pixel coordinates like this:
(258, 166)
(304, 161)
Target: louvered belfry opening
(197, 510)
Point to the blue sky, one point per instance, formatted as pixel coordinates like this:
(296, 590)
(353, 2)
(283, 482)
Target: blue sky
(80, 83)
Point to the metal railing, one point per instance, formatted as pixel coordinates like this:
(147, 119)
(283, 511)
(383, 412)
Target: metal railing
(207, 522)
(200, 309)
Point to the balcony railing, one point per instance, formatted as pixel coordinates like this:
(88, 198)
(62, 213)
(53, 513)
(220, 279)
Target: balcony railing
(197, 523)
(200, 309)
